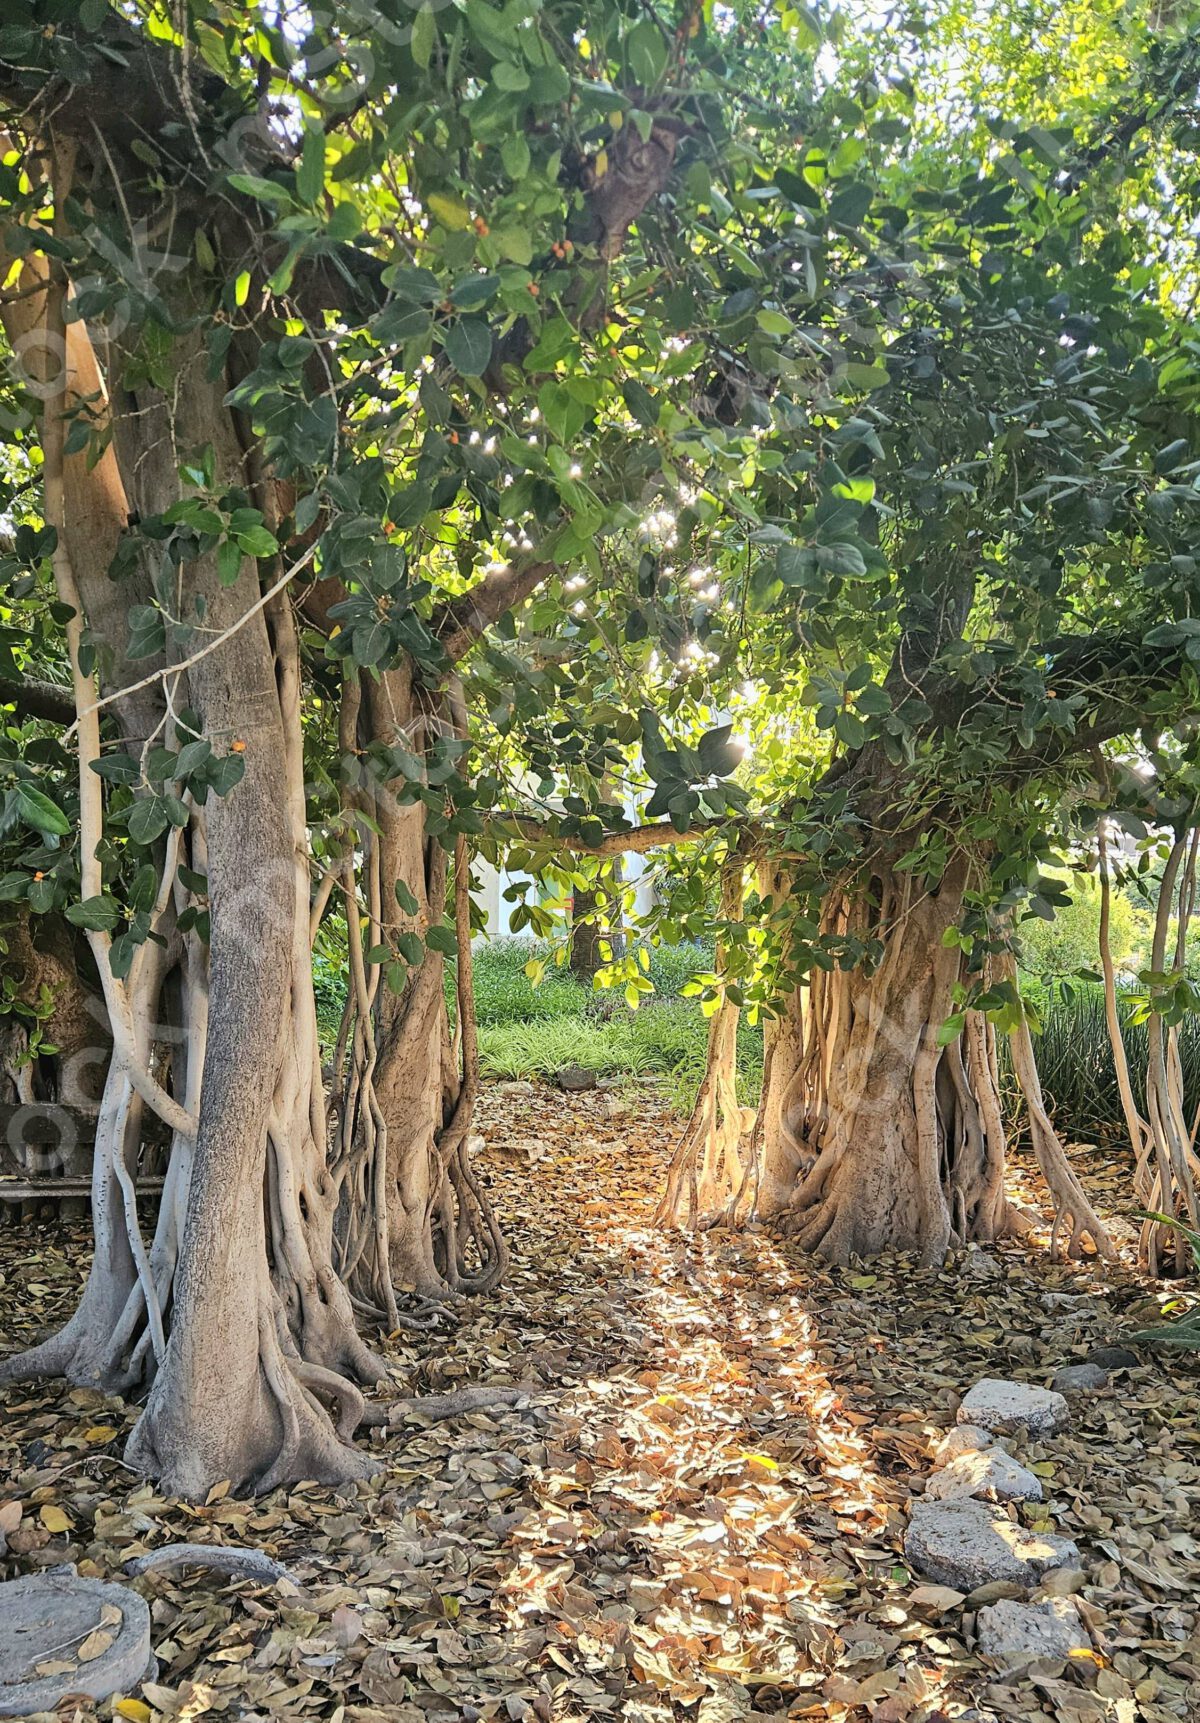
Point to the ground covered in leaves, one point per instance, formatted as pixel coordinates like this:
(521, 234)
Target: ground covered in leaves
(694, 1512)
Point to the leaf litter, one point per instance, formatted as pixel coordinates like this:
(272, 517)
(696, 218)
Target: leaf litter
(693, 1505)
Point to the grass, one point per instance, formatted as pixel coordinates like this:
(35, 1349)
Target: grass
(665, 1038)
(533, 1031)
(528, 1031)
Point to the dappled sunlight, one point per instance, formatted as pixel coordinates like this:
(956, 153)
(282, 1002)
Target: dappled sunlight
(722, 1468)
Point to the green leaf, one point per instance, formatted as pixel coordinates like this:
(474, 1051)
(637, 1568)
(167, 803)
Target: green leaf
(147, 820)
(951, 1029)
(514, 153)
(468, 346)
(641, 402)
(98, 914)
(38, 811)
(225, 772)
(424, 36)
(258, 541)
(452, 212)
(506, 75)
(719, 756)
(474, 291)
(646, 52)
(411, 947)
(310, 175)
(118, 768)
(442, 939)
(265, 190)
(405, 898)
(408, 508)
(849, 728)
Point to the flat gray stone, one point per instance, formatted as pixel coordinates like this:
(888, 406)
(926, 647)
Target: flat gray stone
(1016, 1634)
(1079, 1379)
(1003, 1407)
(60, 1634)
(963, 1439)
(969, 1543)
(990, 1473)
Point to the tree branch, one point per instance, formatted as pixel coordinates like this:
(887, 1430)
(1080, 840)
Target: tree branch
(459, 624)
(37, 699)
(636, 839)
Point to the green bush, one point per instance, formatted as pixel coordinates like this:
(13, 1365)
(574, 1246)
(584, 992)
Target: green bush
(673, 966)
(1075, 1059)
(1070, 942)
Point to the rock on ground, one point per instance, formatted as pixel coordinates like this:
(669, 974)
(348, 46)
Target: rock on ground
(963, 1439)
(1079, 1379)
(990, 1472)
(575, 1078)
(60, 1634)
(1114, 1358)
(1014, 1634)
(1002, 1407)
(968, 1543)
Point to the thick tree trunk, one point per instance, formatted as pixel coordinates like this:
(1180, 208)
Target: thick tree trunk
(235, 1315)
(876, 1137)
(413, 1217)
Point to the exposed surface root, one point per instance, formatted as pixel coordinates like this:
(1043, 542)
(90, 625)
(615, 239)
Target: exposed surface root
(237, 1563)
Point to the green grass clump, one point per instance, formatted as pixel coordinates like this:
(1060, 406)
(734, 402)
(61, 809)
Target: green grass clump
(666, 1039)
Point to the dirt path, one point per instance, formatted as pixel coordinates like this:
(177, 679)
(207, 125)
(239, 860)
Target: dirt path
(697, 1511)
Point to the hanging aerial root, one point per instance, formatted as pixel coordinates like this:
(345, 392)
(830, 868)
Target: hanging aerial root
(468, 1221)
(1073, 1213)
(708, 1172)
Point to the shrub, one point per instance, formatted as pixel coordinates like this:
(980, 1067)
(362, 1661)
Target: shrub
(1075, 1060)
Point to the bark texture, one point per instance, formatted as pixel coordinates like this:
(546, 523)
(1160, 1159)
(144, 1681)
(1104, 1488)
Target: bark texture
(878, 1137)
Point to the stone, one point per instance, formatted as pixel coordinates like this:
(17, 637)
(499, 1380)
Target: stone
(1114, 1358)
(988, 1472)
(1002, 1407)
(574, 1078)
(61, 1634)
(1079, 1379)
(965, 1544)
(1016, 1634)
(963, 1439)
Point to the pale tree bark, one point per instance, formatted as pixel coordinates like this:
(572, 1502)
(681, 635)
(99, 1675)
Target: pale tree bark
(712, 1167)
(414, 1219)
(1141, 1138)
(234, 1315)
(1172, 1172)
(877, 1136)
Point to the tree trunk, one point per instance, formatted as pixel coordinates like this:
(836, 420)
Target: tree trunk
(235, 1315)
(413, 1217)
(709, 1173)
(876, 1137)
